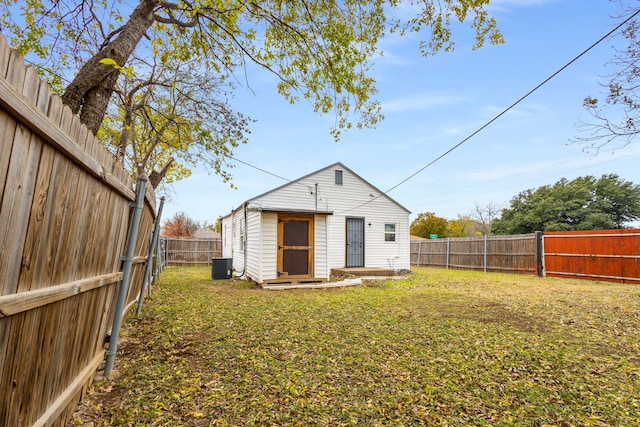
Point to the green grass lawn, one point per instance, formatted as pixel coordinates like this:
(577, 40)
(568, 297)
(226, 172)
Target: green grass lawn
(439, 348)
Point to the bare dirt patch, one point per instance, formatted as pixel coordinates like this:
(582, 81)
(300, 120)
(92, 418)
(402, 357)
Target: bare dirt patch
(478, 310)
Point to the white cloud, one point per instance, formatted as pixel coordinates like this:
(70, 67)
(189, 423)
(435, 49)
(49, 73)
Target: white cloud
(425, 101)
(507, 5)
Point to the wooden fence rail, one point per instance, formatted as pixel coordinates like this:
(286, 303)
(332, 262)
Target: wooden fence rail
(64, 219)
(610, 255)
(176, 251)
(516, 254)
(607, 255)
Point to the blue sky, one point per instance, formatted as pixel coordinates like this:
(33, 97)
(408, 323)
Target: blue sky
(431, 104)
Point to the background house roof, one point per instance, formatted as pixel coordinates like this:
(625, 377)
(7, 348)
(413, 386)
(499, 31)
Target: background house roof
(203, 233)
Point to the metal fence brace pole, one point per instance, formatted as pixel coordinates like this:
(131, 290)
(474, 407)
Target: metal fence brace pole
(147, 271)
(158, 261)
(161, 247)
(448, 246)
(485, 253)
(126, 274)
(419, 250)
(156, 238)
(540, 253)
(165, 252)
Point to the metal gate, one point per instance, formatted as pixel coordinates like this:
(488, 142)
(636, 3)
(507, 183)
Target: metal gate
(355, 242)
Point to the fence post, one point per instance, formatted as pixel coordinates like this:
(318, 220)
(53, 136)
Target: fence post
(485, 253)
(165, 255)
(158, 259)
(127, 261)
(448, 247)
(539, 254)
(419, 250)
(147, 271)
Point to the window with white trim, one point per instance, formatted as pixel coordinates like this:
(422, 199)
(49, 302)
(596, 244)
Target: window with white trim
(389, 232)
(338, 176)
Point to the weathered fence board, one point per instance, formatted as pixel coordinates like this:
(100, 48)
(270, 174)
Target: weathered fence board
(189, 252)
(609, 255)
(64, 220)
(516, 254)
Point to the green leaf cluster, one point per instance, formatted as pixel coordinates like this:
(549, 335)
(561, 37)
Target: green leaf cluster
(322, 52)
(319, 51)
(173, 113)
(427, 223)
(585, 203)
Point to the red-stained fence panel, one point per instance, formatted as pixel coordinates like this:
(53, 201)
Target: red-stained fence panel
(610, 255)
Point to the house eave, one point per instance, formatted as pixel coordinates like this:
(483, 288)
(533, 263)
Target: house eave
(288, 210)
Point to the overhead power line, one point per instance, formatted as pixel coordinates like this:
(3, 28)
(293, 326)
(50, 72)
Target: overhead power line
(522, 98)
(481, 128)
(528, 181)
(271, 173)
(260, 169)
(503, 112)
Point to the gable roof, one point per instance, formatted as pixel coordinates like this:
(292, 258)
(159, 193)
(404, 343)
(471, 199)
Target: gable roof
(339, 164)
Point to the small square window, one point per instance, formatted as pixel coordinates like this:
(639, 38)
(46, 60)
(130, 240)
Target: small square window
(389, 232)
(338, 177)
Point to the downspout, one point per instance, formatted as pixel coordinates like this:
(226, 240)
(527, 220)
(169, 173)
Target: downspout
(244, 243)
(246, 237)
(232, 235)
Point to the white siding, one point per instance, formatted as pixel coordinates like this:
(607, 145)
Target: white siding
(269, 246)
(227, 239)
(237, 231)
(321, 269)
(336, 254)
(254, 255)
(318, 191)
(354, 198)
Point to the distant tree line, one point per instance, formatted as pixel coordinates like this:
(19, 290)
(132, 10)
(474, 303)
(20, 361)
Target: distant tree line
(585, 203)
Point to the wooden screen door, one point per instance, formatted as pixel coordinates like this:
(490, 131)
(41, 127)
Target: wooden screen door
(295, 246)
(355, 242)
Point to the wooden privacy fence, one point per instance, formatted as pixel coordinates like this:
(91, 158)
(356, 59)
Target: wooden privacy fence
(65, 212)
(515, 254)
(175, 251)
(611, 255)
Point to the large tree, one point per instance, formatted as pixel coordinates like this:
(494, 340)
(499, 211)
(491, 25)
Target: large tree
(319, 50)
(170, 116)
(427, 223)
(484, 215)
(585, 203)
(463, 226)
(180, 225)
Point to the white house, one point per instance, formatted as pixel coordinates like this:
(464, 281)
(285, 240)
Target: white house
(299, 232)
